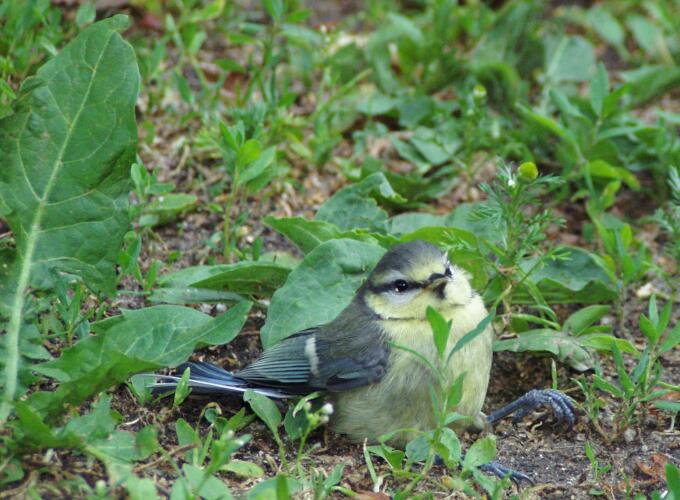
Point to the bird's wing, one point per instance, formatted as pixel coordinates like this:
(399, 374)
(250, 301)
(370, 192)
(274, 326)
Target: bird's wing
(335, 357)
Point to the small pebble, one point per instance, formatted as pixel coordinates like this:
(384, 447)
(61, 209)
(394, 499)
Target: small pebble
(645, 291)
(629, 435)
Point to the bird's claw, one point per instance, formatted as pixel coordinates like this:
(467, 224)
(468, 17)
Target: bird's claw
(499, 470)
(561, 405)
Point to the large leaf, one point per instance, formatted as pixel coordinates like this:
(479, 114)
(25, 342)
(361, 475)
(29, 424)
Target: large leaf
(569, 59)
(648, 82)
(65, 157)
(566, 347)
(578, 279)
(308, 234)
(138, 340)
(66, 154)
(247, 278)
(354, 206)
(319, 288)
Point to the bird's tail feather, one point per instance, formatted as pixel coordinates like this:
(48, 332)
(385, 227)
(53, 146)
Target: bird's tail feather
(206, 378)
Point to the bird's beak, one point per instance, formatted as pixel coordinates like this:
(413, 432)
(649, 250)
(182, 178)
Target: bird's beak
(437, 282)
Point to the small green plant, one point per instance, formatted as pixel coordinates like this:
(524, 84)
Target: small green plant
(442, 440)
(521, 231)
(635, 388)
(570, 341)
(597, 470)
(208, 455)
(625, 259)
(251, 167)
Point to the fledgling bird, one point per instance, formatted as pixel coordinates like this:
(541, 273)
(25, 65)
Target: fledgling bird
(375, 386)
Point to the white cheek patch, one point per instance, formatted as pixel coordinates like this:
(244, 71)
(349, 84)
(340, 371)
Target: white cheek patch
(399, 299)
(310, 352)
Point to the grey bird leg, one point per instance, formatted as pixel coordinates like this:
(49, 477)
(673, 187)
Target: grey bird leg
(560, 404)
(496, 469)
(499, 470)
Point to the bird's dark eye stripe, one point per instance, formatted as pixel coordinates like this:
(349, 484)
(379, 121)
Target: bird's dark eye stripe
(388, 287)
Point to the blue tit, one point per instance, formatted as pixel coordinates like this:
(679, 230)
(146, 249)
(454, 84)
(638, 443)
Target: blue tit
(375, 386)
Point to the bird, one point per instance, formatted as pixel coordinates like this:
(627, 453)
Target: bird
(361, 359)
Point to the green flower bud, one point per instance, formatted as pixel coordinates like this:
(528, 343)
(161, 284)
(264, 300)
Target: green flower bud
(527, 171)
(479, 92)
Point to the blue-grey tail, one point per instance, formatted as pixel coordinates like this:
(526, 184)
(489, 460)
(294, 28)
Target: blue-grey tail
(206, 378)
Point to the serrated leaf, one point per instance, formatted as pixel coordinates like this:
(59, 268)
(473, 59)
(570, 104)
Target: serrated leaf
(64, 178)
(319, 288)
(66, 154)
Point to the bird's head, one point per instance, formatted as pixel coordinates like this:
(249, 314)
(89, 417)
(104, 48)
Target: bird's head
(412, 276)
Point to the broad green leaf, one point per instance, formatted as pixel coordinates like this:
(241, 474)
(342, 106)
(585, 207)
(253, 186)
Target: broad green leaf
(66, 154)
(605, 25)
(243, 468)
(65, 158)
(205, 485)
(210, 11)
(481, 452)
(246, 278)
(135, 341)
(355, 206)
(567, 348)
(264, 408)
(648, 35)
(409, 222)
(569, 59)
(673, 479)
(577, 279)
(417, 449)
(308, 234)
(450, 442)
(583, 318)
(605, 342)
(166, 208)
(319, 288)
(648, 82)
(600, 168)
(268, 489)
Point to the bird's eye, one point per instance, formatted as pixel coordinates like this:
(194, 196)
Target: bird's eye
(449, 271)
(400, 286)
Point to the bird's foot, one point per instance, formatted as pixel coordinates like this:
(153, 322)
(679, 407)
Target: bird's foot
(499, 470)
(561, 405)
(496, 469)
